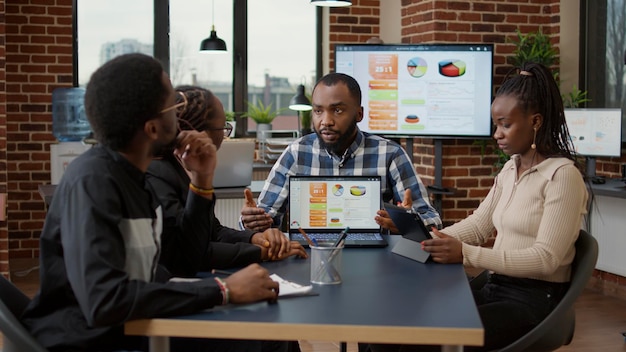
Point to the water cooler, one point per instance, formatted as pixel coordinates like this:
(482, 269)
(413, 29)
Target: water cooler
(70, 127)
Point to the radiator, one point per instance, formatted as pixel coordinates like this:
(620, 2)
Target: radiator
(228, 211)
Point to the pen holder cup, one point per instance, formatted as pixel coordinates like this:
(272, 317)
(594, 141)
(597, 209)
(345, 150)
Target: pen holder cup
(326, 264)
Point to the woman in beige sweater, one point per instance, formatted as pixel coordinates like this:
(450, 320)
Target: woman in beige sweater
(536, 205)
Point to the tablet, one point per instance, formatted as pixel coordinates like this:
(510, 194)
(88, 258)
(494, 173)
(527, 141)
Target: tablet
(411, 226)
(413, 231)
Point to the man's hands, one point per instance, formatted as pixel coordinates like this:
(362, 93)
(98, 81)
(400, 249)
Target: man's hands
(276, 246)
(251, 284)
(383, 218)
(445, 249)
(254, 218)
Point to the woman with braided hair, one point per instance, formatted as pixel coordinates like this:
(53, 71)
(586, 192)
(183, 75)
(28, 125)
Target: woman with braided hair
(536, 205)
(199, 109)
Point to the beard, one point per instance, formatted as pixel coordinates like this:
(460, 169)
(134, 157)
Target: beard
(342, 143)
(161, 148)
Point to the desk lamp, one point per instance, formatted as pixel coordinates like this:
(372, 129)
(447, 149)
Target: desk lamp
(300, 102)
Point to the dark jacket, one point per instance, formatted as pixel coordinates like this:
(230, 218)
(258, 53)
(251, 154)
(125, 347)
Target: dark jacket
(99, 251)
(181, 254)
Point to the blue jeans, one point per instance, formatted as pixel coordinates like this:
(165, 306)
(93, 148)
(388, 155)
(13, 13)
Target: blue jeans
(509, 307)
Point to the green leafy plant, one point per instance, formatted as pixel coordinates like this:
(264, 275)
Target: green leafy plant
(230, 115)
(260, 112)
(535, 47)
(575, 98)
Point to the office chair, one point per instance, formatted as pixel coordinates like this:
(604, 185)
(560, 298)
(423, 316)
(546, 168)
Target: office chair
(557, 329)
(12, 304)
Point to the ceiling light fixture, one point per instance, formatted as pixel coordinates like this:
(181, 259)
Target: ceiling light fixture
(213, 44)
(331, 3)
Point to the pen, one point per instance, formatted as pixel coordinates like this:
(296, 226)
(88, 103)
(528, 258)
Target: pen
(306, 237)
(342, 236)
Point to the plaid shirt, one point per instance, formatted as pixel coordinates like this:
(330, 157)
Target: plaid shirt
(367, 155)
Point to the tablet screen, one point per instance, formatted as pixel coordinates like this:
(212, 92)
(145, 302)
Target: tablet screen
(411, 226)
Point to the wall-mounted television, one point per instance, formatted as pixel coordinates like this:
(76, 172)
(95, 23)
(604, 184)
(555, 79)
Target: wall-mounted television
(431, 90)
(595, 132)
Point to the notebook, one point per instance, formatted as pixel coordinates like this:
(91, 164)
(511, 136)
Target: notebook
(235, 160)
(325, 205)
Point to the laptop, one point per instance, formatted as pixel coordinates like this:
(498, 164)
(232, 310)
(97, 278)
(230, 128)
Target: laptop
(235, 160)
(413, 231)
(325, 205)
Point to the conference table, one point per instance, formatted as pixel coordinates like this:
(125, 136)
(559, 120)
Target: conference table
(383, 298)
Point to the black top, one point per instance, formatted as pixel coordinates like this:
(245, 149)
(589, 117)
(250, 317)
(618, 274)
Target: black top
(99, 250)
(181, 254)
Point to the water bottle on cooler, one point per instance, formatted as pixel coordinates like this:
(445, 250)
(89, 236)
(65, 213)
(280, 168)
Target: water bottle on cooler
(69, 120)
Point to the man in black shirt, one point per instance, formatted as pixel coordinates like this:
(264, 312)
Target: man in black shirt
(100, 244)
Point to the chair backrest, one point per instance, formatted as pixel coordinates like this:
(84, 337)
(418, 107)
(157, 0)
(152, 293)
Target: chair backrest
(557, 329)
(12, 304)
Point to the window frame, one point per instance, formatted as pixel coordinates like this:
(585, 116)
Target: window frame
(240, 53)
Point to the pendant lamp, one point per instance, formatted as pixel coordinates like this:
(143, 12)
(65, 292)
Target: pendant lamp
(331, 3)
(213, 44)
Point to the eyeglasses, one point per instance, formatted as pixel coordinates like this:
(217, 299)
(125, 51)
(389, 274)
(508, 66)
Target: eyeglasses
(178, 106)
(227, 129)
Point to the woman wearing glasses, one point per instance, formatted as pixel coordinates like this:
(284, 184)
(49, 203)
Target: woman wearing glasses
(199, 109)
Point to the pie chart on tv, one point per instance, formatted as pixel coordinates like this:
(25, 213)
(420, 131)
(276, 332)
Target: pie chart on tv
(417, 67)
(452, 68)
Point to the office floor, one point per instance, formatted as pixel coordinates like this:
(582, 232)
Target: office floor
(600, 321)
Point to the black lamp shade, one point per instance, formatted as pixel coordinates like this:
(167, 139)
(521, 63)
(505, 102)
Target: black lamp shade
(213, 43)
(331, 3)
(299, 101)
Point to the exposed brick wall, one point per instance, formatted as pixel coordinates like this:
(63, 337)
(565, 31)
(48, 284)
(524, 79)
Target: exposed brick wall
(434, 21)
(4, 234)
(353, 24)
(38, 60)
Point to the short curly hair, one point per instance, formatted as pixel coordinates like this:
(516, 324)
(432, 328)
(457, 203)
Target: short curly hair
(122, 95)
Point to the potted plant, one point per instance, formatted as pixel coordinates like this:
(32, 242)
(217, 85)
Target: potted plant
(263, 115)
(230, 119)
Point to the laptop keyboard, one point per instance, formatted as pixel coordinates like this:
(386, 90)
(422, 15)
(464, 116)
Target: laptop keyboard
(352, 236)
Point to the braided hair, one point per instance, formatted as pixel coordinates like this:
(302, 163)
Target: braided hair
(199, 110)
(536, 91)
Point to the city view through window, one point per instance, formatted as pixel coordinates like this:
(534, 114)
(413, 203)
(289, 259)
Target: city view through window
(281, 53)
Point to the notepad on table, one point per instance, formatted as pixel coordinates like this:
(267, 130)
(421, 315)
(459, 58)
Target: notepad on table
(286, 288)
(290, 288)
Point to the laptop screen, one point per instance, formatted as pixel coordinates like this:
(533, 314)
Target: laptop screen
(332, 203)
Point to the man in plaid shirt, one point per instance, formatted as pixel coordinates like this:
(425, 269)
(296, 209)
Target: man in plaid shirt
(338, 147)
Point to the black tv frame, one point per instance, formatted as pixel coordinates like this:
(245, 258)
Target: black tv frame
(434, 50)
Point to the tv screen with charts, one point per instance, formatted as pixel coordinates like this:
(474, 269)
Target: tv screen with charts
(595, 132)
(431, 90)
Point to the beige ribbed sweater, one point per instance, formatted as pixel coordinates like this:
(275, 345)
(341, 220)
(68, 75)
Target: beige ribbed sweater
(537, 219)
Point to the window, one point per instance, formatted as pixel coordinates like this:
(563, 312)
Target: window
(604, 70)
(278, 54)
(110, 28)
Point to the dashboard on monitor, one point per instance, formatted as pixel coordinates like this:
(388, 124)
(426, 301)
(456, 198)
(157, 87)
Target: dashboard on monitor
(435, 90)
(595, 132)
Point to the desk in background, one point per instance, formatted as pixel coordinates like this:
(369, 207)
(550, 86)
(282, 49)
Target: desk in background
(607, 223)
(384, 298)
